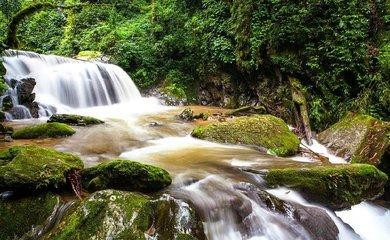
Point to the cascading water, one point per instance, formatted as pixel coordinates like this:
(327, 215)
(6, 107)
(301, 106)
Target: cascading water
(66, 83)
(233, 203)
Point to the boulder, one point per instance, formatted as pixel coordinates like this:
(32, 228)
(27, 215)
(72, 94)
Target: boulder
(26, 96)
(74, 120)
(19, 216)
(361, 139)
(2, 116)
(112, 214)
(46, 130)
(336, 186)
(358, 138)
(32, 168)
(7, 103)
(263, 131)
(314, 220)
(125, 175)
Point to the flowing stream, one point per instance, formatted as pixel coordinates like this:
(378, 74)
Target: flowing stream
(209, 175)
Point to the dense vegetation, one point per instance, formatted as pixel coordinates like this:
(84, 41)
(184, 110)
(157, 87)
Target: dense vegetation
(339, 50)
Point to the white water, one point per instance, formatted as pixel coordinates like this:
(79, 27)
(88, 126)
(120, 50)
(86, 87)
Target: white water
(369, 221)
(107, 92)
(70, 85)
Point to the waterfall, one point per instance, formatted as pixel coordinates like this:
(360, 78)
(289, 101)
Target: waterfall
(65, 83)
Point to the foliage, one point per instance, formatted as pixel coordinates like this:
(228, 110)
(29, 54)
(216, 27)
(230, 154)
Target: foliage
(339, 50)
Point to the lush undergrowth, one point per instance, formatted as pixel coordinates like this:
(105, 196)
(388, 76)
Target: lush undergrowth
(339, 50)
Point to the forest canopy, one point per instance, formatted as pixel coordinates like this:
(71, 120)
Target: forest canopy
(339, 50)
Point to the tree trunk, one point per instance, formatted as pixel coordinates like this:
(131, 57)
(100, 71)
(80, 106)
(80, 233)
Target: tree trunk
(300, 109)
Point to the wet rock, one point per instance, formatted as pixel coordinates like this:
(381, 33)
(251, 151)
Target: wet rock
(26, 96)
(187, 115)
(262, 131)
(314, 220)
(335, 186)
(247, 110)
(7, 103)
(112, 214)
(5, 129)
(8, 138)
(359, 138)
(32, 168)
(75, 120)
(125, 175)
(166, 98)
(18, 216)
(46, 130)
(155, 124)
(2, 116)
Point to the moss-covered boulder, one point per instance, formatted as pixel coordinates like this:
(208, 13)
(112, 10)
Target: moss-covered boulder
(46, 130)
(359, 138)
(19, 216)
(112, 214)
(32, 168)
(75, 120)
(264, 131)
(336, 186)
(125, 175)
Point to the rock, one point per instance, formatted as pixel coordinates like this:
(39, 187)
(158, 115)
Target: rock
(8, 138)
(93, 56)
(74, 120)
(45, 130)
(125, 175)
(2, 116)
(7, 103)
(263, 131)
(247, 110)
(5, 129)
(25, 89)
(165, 97)
(314, 220)
(18, 216)
(337, 186)
(359, 138)
(112, 214)
(187, 115)
(32, 168)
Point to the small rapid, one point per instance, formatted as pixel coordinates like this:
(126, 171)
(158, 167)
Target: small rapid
(223, 182)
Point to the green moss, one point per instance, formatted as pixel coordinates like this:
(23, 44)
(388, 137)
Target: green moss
(44, 131)
(260, 130)
(125, 175)
(75, 120)
(361, 138)
(336, 186)
(32, 168)
(174, 90)
(18, 216)
(106, 214)
(89, 55)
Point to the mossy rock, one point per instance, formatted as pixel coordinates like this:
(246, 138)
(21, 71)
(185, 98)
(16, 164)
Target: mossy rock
(89, 55)
(336, 186)
(19, 216)
(32, 168)
(75, 120)
(45, 130)
(359, 138)
(125, 175)
(112, 214)
(264, 131)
